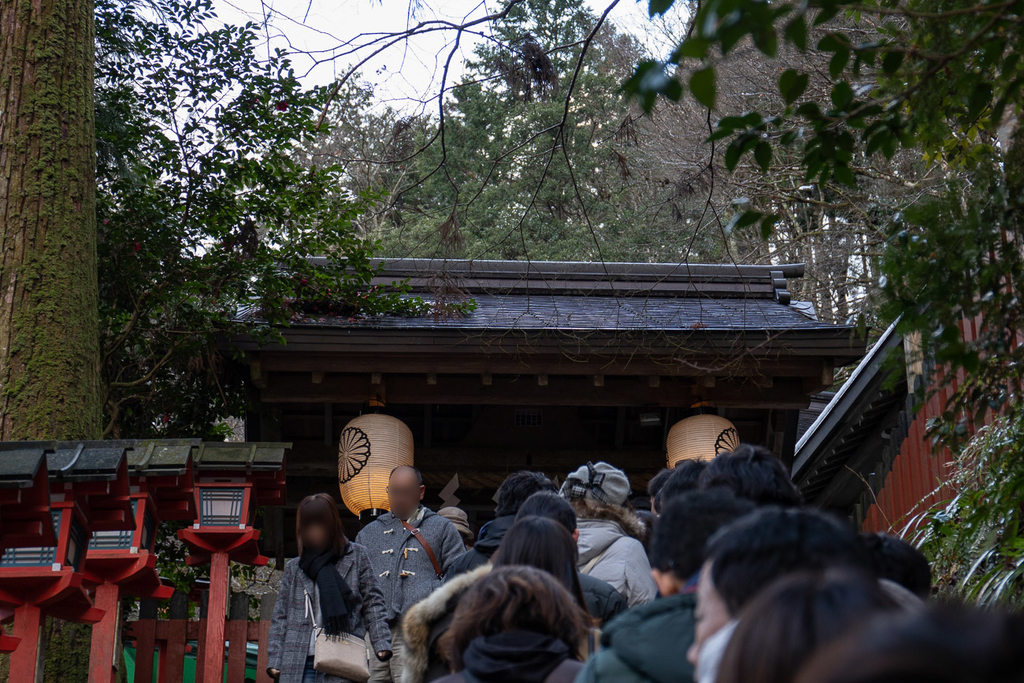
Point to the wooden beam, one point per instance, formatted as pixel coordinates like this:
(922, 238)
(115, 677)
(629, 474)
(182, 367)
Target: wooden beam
(786, 392)
(328, 423)
(312, 459)
(256, 373)
(828, 375)
(600, 362)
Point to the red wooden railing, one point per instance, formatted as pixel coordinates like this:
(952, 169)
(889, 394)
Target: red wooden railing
(920, 473)
(165, 640)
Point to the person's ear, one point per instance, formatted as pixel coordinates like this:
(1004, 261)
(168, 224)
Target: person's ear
(576, 535)
(668, 583)
(423, 489)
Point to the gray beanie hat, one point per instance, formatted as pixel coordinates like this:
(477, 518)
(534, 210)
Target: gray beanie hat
(598, 482)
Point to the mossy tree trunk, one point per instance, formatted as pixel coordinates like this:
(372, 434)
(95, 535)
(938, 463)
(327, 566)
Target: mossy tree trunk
(49, 317)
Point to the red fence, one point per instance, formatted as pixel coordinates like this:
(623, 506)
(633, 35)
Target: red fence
(165, 640)
(919, 474)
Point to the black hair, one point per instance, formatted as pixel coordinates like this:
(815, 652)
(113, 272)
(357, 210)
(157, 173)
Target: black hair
(519, 486)
(753, 551)
(787, 622)
(686, 523)
(657, 481)
(545, 544)
(893, 558)
(549, 505)
(944, 644)
(320, 509)
(752, 472)
(419, 476)
(683, 478)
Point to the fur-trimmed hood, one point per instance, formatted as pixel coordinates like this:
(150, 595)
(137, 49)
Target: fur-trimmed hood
(627, 520)
(611, 549)
(420, 624)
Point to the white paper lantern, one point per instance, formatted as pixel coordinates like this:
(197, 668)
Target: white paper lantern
(700, 437)
(369, 449)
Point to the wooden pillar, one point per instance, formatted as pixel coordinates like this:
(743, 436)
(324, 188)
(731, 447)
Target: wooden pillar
(204, 621)
(172, 663)
(237, 633)
(102, 654)
(213, 652)
(145, 641)
(27, 658)
(266, 614)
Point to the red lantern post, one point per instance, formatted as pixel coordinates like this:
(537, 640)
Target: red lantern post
(88, 494)
(231, 480)
(122, 562)
(24, 512)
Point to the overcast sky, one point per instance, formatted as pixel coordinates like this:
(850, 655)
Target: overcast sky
(403, 75)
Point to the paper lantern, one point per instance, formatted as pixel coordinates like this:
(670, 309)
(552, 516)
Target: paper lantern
(701, 436)
(370, 447)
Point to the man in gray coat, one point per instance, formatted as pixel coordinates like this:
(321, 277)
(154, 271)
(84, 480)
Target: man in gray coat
(410, 549)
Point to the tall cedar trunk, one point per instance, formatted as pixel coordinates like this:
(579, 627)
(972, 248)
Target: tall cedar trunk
(49, 320)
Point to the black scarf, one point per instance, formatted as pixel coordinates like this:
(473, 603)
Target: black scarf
(513, 657)
(336, 598)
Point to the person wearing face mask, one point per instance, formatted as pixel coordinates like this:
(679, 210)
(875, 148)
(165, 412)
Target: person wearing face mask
(743, 558)
(332, 577)
(648, 644)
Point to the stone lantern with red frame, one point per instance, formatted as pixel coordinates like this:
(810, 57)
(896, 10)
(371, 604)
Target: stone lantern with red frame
(24, 509)
(88, 493)
(122, 562)
(231, 480)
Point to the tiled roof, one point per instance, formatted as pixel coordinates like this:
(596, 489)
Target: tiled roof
(571, 296)
(605, 313)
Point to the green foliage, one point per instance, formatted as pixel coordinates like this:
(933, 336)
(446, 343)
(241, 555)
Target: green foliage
(508, 169)
(207, 220)
(952, 261)
(975, 540)
(930, 74)
(944, 78)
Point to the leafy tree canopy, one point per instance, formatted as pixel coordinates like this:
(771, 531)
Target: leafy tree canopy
(944, 78)
(206, 218)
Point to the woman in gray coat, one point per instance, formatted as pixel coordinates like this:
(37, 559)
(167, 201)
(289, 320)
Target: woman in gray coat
(343, 596)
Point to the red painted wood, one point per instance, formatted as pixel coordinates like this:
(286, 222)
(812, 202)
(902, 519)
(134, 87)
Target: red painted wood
(104, 634)
(213, 651)
(201, 640)
(26, 660)
(261, 656)
(8, 644)
(237, 633)
(161, 659)
(263, 626)
(145, 643)
(172, 667)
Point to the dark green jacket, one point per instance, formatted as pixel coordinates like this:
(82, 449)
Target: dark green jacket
(647, 644)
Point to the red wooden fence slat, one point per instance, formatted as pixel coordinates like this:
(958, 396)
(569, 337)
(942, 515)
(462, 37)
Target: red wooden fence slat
(204, 596)
(237, 630)
(145, 641)
(172, 666)
(266, 612)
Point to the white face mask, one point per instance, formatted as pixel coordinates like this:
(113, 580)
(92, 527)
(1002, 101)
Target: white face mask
(712, 652)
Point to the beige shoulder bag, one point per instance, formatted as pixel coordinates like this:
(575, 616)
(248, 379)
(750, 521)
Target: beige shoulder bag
(342, 655)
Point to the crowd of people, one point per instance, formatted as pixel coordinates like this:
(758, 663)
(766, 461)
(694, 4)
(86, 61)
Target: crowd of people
(727, 578)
